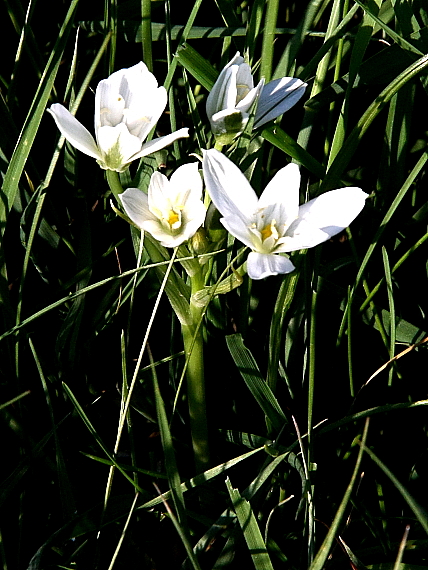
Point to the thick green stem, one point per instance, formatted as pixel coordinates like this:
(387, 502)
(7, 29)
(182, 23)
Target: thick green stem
(114, 183)
(194, 349)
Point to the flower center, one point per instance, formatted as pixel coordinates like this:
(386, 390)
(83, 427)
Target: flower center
(174, 219)
(269, 230)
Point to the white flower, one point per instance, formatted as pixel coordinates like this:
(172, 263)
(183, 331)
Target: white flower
(274, 223)
(172, 211)
(233, 94)
(127, 106)
(230, 99)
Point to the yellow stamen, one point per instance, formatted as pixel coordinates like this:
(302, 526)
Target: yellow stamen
(268, 230)
(173, 218)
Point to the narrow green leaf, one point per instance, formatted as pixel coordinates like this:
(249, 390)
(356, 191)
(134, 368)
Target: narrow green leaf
(279, 138)
(333, 530)
(199, 67)
(404, 44)
(347, 151)
(252, 376)
(13, 400)
(203, 477)
(96, 436)
(169, 454)
(250, 529)
(418, 511)
(29, 130)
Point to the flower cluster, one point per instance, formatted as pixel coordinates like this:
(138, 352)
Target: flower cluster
(127, 106)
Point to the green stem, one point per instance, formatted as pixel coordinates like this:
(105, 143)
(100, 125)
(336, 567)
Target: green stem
(114, 184)
(194, 349)
(146, 28)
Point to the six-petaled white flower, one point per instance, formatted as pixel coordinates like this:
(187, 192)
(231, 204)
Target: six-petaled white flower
(274, 223)
(127, 106)
(172, 211)
(229, 102)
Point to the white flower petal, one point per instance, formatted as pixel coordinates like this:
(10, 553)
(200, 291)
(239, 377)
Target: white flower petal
(109, 105)
(260, 265)
(246, 103)
(244, 82)
(136, 82)
(187, 177)
(74, 131)
(144, 111)
(157, 192)
(135, 204)
(218, 93)
(281, 195)
(161, 142)
(277, 97)
(334, 210)
(229, 189)
(154, 228)
(194, 218)
(301, 235)
(218, 90)
(173, 210)
(238, 228)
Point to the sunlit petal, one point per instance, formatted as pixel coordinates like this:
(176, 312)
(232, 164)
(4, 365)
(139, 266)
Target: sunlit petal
(229, 189)
(275, 224)
(334, 210)
(238, 228)
(186, 177)
(73, 131)
(136, 206)
(249, 99)
(260, 265)
(277, 97)
(281, 195)
(161, 142)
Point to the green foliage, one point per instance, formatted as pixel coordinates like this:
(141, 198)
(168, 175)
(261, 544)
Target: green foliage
(106, 336)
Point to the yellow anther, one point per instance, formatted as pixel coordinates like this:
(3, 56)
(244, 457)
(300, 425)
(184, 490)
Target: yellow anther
(269, 230)
(173, 218)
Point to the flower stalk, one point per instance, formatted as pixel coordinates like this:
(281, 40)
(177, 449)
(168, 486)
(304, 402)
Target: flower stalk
(170, 214)
(194, 350)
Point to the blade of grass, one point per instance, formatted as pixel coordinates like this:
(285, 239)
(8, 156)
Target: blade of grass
(268, 39)
(169, 454)
(253, 378)
(392, 209)
(391, 303)
(250, 529)
(282, 305)
(146, 33)
(417, 510)
(325, 548)
(122, 536)
(96, 436)
(32, 121)
(349, 146)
